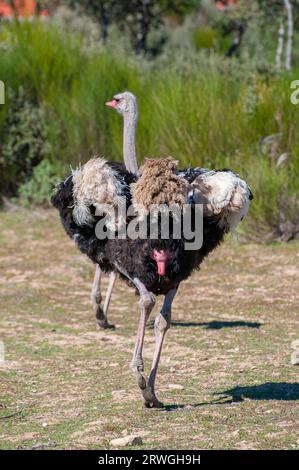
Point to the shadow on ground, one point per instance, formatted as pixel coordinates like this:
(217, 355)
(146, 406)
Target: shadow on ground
(267, 391)
(212, 325)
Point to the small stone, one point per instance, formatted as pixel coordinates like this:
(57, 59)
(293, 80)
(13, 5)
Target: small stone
(295, 358)
(131, 440)
(44, 425)
(176, 387)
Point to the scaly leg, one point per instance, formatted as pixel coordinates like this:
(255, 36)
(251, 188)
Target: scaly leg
(112, 279)
(147, 302)
(96, 297)
(162, 324)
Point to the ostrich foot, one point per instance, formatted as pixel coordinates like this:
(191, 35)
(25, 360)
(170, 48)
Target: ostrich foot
(152, 401)
(105, 325)
(101, 319)
(149, 398)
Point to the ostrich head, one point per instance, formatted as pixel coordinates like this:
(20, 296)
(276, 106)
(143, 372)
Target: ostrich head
(124, 103)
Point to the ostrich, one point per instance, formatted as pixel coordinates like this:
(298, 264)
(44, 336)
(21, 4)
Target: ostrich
(126, 105)
(153, 266)
(130, 116)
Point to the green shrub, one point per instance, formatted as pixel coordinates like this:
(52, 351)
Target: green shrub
(204, 37)
(24, 140)
(37, 190)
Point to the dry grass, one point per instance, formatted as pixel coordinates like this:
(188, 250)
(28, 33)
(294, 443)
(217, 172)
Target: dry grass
(228, 349)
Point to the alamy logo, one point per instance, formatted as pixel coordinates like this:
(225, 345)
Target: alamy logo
(2, 92)
(295, 94)
(161, 223)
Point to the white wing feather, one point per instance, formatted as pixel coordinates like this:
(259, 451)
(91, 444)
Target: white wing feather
(223, 194)
(95, 184)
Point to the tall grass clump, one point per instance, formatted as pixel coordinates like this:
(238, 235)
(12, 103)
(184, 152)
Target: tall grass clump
(207, 111)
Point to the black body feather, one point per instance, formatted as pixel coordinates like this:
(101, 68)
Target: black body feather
(134, 256)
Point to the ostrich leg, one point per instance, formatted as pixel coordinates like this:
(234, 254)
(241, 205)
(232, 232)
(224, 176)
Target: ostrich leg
(112, 279)
(147, 302)
(96, 297)
(162, 324)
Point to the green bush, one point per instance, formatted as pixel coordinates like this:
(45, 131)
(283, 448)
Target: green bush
(204, 37)
(24, 141)
(37, 190)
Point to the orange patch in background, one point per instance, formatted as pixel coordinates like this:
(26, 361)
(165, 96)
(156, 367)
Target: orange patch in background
(21, 7)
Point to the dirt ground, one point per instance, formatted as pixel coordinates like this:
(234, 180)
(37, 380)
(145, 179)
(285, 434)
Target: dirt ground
(225, 376)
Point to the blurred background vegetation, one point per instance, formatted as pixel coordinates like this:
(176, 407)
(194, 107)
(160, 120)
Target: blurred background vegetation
(212, 79)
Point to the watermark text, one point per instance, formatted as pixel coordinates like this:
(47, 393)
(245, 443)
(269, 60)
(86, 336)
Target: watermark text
(295, 94)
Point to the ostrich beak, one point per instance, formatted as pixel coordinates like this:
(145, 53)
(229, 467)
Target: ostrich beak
(161, 257)
(111, 104)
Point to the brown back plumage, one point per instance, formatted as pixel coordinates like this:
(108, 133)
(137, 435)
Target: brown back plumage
(158, 184)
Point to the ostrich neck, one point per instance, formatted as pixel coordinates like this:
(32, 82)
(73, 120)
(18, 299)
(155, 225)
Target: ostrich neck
(129, 149)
